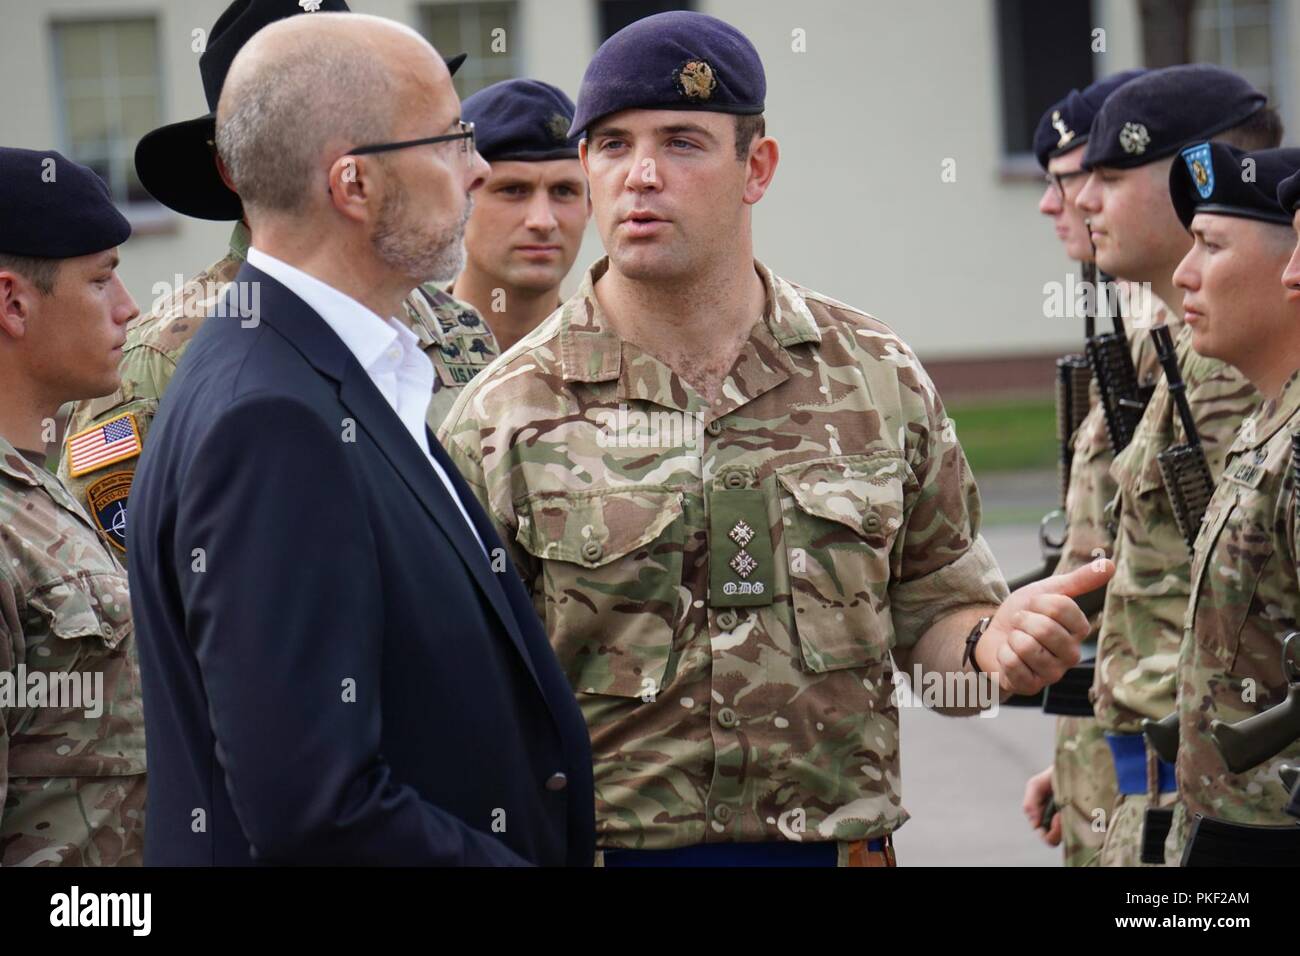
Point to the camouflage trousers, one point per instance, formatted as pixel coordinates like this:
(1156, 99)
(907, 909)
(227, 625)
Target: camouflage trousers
(1083, 782)
(852, 854)
(1179, 831)
(74, 821)
(1123, 846)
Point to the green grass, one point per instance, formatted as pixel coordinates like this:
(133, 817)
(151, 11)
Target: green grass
(1006, 435)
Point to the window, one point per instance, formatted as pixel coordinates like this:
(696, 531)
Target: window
(616, 14)
(488, 32)
(1239, 35)
(108, 84)
(1045, 50)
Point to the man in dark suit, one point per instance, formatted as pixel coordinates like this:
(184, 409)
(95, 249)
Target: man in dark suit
(339, 664)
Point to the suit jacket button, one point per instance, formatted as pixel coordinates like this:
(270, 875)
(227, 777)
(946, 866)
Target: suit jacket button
(557, 781)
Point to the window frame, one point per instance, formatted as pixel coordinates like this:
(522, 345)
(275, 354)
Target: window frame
(147, 215)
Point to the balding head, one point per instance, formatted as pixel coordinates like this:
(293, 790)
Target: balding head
(306, 89)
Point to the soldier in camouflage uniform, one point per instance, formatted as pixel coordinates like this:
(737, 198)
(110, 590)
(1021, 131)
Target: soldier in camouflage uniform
(451, 332)
(1138, 237)
(1245, 586)
(1082, 777)
(72, 752)
(529, 217)
(730, 558)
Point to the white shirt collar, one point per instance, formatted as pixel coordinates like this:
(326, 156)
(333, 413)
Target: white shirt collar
(387, 351)
(365, 333)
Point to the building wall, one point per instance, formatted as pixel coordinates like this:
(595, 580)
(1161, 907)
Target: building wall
(886, 92)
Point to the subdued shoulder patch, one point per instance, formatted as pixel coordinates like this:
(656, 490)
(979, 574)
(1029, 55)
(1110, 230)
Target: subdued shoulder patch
(107, 499)
(103, 444)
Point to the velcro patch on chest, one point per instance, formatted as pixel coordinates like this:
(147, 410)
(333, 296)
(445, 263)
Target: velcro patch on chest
(107, 499)
(104, 444)
(1246, 472)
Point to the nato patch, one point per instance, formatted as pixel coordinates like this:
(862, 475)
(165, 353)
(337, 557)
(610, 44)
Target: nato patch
(107, 500)
(1201, 166)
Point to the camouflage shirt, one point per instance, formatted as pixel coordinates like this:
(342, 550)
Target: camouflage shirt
(724, 598)
(72, 760)
(451, 333)
(1091, 486)
(1083, 777)
(1146, 600)
(1245, 599)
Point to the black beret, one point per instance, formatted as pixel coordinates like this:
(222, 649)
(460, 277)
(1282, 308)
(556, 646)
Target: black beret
(1066, 124)
(1288, 193)
(53, 208)
(678, 60)
(521, 119)
(1156, 115)
(1227, 181)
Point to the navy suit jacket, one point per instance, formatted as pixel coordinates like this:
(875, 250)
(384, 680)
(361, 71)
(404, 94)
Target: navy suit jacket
(333, 672)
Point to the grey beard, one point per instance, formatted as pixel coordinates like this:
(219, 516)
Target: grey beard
(424, 254)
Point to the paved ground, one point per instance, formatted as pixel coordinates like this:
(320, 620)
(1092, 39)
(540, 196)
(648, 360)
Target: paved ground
(963, 778)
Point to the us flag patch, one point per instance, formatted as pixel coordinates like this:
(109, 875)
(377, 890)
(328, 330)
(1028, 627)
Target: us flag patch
(102, 445)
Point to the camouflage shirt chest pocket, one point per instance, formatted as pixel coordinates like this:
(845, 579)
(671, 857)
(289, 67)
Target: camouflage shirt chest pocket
(611, 573)
(79, 639)
(1234, 547)
(840, 519)
(93, 607)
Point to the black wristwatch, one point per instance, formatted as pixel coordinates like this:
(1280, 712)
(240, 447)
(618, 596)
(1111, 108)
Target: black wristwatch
(972, 639)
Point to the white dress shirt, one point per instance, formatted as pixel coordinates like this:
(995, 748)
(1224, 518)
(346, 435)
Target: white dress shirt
(387, 350)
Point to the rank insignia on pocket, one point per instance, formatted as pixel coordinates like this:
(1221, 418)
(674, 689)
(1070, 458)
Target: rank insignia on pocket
(107, 499)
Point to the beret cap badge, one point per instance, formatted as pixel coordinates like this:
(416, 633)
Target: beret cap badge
(1058, 123)
(558, 127)
(1200, 163)
(1134, 139)
(696, 80)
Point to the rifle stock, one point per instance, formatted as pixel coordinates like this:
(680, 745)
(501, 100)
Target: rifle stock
(1162, 735)
(1251, 741)
(1248, 743)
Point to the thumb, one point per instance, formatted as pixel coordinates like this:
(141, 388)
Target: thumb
(1081, 580)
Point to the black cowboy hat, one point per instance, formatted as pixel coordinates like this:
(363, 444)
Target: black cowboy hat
(176, 163)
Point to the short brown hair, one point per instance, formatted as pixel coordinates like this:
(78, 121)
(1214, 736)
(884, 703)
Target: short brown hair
(1262, 129)
(42, 273)
(747, 129)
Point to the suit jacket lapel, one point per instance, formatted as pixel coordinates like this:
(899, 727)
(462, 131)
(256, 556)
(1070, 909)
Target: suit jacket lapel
(311, 336)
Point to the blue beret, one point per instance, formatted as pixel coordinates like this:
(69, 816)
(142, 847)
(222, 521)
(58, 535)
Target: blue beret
(1158, 114)
(672, 61)
(1288, 193)
(521, 119)
(1066, 124)
(53, 208)
(1211, 177)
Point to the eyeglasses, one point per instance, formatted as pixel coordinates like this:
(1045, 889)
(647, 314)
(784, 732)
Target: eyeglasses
(1057, 181)
(466, 136)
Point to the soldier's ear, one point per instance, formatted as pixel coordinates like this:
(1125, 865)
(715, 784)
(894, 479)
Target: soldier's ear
(17, 298)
